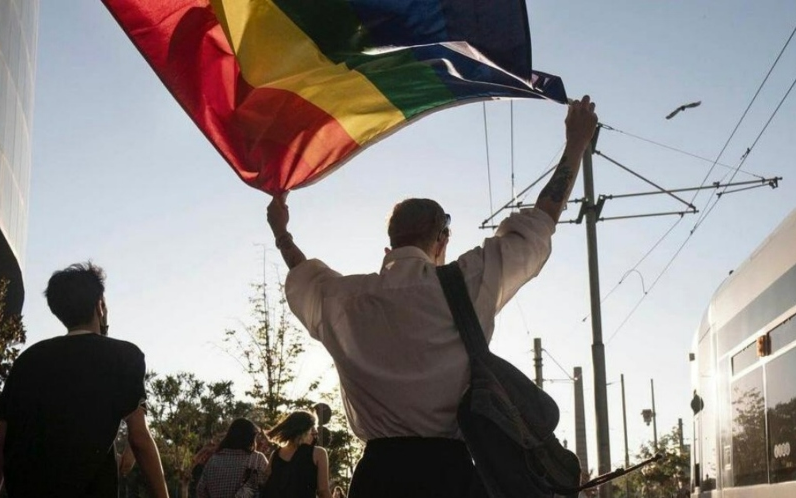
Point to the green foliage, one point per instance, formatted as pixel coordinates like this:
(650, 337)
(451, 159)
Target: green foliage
(184, 414)
(749, 456)
(12, 335)
(344, 449)
(268, 348)
(668, 477)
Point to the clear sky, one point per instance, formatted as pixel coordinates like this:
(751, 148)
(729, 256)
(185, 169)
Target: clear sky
(122, 176)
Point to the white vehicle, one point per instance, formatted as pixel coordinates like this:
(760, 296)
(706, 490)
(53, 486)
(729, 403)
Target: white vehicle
(744, 378)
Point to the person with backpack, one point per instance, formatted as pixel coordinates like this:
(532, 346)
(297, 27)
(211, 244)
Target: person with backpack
(401, 362)
(298, 468)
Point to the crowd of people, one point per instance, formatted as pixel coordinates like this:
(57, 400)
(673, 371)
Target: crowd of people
(282, 462)
(401, 364)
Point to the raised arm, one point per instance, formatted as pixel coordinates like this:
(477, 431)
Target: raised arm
(580, 123)
(278, 218)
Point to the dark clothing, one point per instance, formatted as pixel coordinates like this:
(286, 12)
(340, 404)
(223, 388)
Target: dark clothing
(417, 467)
(63, 402)
(294, 478)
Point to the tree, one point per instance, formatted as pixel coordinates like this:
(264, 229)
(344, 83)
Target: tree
(664, 478)
(344, 447)
(185, 413)
(268, 349)
(12, 335)
(749, 455)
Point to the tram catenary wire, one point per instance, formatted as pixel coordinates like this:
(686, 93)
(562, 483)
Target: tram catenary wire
(743, 116)
(709, 207)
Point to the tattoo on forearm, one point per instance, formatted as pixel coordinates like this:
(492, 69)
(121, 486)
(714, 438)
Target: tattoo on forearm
(558, 186)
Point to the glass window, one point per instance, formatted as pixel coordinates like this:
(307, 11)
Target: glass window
(3, 99)
(783, 335)
(5, 195)
(745, 358)
(5, 26)
(725, 414)
(10, 116)
(749, 455)
(12, 51)
(20, 144)
(781, 409)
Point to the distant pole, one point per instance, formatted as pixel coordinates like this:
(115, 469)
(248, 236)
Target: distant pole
(580, 421)
(680, 425)
(654, 417)
(624, 424)
(597, 348)
(537, 361)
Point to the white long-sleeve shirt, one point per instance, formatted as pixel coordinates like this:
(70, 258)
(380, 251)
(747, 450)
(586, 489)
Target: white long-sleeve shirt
(401, 362)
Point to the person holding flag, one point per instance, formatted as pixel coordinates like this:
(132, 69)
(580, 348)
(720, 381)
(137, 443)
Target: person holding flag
(401, 363)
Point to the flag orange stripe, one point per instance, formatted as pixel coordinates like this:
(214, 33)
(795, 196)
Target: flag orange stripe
(272, 138)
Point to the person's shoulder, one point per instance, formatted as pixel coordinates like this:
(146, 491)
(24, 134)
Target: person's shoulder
(36, 350)
(261, 458)
(121, 345)
(319, 452)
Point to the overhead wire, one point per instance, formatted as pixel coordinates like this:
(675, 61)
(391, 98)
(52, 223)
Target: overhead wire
(674, 149)
(548, 169)
(635, 267)
(745, 156)
(746, 111)
(706, 212)
(558, 364)
(708, 205)
(488, 164)
(513, 190)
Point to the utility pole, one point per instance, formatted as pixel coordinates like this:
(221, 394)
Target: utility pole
(537, 362)
(624, 424)
(591, 210)
(597, 348)
(654, 416)
(580, 421)
(680, 426)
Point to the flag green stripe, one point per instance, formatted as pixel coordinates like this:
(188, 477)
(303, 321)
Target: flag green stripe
(410, 85)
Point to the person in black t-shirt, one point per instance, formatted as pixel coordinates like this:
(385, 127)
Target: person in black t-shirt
(65, 397)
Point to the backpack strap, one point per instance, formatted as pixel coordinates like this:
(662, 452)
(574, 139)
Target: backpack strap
(461, 307)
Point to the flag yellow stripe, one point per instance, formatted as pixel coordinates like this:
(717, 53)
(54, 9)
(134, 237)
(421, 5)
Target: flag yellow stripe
(273, 52)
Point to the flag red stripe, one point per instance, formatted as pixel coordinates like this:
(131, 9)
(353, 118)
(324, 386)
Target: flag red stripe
(273, 139)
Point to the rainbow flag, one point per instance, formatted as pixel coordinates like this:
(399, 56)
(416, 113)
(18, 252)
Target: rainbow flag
(288, 90)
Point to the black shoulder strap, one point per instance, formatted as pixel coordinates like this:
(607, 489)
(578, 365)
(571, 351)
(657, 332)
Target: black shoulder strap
(455, 290)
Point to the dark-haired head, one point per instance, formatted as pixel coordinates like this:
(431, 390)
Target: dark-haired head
(292, 427)
(241, 435)
(74, 293)
(417, 222)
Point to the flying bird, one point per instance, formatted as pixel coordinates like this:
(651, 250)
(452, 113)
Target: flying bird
(683, 108)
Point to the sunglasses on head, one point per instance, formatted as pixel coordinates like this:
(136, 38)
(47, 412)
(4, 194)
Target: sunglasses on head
(446, 230)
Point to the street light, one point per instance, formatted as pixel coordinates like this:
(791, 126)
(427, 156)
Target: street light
(647, 414)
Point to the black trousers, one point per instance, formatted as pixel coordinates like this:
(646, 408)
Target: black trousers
(415, 467)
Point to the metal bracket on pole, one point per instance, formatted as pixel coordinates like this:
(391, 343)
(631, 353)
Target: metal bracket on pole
(598, 208)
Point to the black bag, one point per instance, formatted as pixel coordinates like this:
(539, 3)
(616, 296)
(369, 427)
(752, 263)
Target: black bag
(506, 420)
